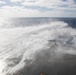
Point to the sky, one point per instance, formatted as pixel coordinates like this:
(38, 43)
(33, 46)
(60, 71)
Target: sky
(37, 8)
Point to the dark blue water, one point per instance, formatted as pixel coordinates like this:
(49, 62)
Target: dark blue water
(22, 22)
(71, 21)
(37, 21)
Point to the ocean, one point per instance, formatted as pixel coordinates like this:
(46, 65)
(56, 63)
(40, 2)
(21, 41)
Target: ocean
(38, 46)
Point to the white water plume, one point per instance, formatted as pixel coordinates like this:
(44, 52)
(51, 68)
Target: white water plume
(20, 47)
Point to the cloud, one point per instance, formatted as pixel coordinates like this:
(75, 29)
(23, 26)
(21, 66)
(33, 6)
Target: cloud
(39, 8)
(2, 2)
(51, 4)
(17, 11)
(45, 3)
(16, 0)
(42, 3)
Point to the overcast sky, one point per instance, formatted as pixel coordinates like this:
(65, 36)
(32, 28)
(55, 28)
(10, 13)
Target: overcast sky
(37, 8)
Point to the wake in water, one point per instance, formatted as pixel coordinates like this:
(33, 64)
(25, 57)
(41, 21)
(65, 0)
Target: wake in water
(34, 49)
